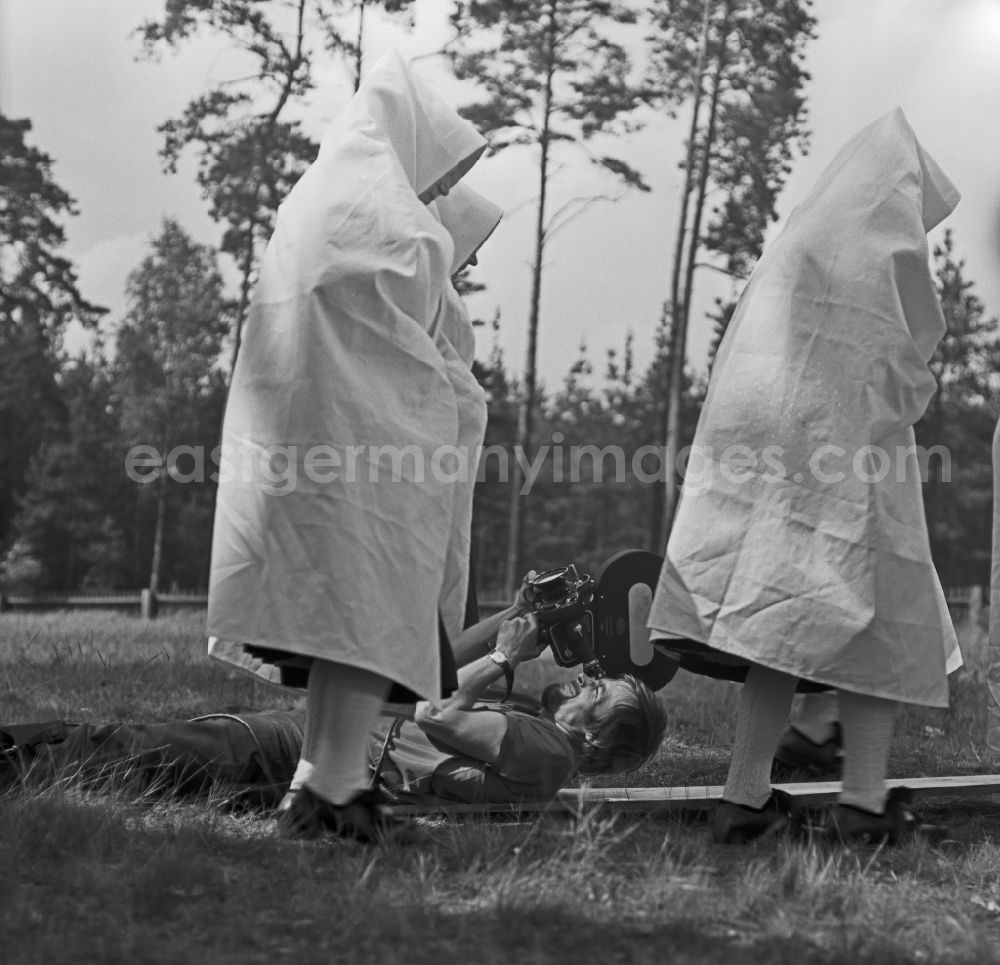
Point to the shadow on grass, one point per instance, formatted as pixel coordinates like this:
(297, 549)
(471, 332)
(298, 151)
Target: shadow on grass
(86, 878)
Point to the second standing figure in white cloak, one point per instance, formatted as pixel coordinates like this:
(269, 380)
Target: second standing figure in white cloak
(804, 555)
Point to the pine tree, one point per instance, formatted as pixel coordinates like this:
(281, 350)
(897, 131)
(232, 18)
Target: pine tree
(246, 130)
(553, 79)
(739, 65)
(166, 358)
(39, 296)
(74, 516)
(961, 418)
(492, 491)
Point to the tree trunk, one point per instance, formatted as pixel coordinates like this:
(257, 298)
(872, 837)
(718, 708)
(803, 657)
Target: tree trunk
(361, 37)
(161, 515)
(246, 270)
(72, 561)
(699, 208)
(678, 355)
(663, 496)
(517, 510)
(656, 539)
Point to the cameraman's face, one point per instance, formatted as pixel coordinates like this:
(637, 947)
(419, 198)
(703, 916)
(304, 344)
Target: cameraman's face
(574, 702)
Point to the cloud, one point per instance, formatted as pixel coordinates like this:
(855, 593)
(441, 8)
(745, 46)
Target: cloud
(105, 265)
(102, 270)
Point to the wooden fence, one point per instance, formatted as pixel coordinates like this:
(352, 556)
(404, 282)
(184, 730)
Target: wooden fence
(143, 602)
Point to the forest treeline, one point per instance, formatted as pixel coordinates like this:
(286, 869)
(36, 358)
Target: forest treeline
(83, 501)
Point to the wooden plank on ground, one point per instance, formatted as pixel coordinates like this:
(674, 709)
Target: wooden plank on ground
(701, 797)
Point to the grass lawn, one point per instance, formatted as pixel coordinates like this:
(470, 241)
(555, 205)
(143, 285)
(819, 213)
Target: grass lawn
(112, 878)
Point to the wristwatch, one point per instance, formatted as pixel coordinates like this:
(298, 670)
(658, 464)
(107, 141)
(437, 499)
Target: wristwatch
(500, 659)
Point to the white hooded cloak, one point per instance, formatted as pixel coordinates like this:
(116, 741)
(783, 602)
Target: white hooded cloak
(812, 557)
(332, 525)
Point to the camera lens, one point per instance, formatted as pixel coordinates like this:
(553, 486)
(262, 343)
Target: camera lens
(552, 586)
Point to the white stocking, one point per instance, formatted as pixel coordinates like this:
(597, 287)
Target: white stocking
(867, 723)
(342, 706)
(765, 700)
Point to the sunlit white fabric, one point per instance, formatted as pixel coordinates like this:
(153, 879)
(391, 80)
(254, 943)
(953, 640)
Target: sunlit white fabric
(471, 402)
(429, 139)
(470, 219)
(340, 378)
(798, 563)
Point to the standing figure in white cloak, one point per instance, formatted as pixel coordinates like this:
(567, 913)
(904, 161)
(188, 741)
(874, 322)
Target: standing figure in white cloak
(801, 556)
(335, 510)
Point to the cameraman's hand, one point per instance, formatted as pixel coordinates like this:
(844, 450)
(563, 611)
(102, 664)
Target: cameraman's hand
(521, 604)
(518, 639)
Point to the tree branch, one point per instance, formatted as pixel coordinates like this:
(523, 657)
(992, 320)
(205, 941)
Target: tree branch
(565, 216)
(721, 270)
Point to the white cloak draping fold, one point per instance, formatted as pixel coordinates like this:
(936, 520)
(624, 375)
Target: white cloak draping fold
(804, 550)
(471, 402)
(332, 526)
(470, 219)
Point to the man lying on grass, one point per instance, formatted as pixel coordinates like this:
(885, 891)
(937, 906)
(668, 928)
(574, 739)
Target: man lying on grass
(466, 748)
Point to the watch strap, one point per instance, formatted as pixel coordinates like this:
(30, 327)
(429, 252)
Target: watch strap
(504, 664)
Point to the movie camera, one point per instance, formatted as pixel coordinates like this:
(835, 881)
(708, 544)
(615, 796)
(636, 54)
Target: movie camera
(562, 602)
(600, 621)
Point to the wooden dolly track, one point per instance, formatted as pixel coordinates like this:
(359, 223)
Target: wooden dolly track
(701, 798)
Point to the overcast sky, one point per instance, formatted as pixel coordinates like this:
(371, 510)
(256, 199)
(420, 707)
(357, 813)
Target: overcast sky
(69, 66)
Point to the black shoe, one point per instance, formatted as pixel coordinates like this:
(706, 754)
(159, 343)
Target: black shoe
(367, 819)
(738, 823)
(304, 816)
(11, 771)
(796, 752)
(853, 825)
(301, 815)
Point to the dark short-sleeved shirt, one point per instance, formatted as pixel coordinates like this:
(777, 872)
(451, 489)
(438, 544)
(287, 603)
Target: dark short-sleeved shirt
(536, 759)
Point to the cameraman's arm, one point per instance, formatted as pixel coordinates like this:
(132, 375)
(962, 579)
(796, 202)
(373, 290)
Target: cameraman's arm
(455, 721)
(475, 641)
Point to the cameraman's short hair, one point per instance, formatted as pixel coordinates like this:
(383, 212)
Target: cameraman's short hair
(624, 735)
